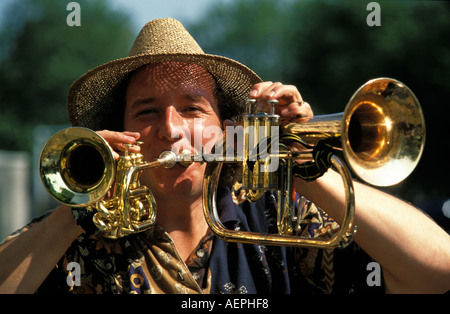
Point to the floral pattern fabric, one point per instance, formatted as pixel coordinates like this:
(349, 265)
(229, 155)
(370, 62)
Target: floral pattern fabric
(148, 262)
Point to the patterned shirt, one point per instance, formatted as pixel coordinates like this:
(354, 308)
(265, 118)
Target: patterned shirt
(148, 262)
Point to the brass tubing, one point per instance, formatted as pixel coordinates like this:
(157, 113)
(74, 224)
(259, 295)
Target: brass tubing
(212, 217)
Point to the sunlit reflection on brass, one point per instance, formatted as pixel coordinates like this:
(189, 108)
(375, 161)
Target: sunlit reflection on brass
(381, 131)
(382, 136)
(78, 169)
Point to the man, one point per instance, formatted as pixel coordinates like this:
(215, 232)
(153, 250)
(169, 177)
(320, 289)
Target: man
(165, 84)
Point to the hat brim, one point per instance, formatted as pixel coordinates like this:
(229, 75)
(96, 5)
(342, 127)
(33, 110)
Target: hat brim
(94, 100)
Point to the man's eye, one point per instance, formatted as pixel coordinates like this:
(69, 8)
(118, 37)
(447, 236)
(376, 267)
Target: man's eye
(193, 109)
(146, 112)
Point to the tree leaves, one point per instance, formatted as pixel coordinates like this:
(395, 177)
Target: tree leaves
(43, 56)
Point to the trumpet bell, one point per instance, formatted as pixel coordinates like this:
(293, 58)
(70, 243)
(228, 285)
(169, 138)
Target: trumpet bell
(383, 132)
(77, 167)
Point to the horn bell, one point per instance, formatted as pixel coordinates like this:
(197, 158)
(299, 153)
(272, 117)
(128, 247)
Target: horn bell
(77, 167)
(383, 132)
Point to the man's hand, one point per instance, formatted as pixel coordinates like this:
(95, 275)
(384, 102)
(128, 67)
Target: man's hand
(291, 106)
(117, 139)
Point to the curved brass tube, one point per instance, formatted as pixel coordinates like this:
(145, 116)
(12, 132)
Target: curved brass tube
(381, 135)
(342, 237)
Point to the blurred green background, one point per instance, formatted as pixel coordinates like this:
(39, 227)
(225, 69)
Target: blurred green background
(325, 48)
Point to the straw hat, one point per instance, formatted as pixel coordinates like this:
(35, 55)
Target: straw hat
(94, 100)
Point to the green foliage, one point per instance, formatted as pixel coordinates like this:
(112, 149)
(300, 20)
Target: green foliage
(327, 50)
(324, 47)
(43, 56)
(256, 33)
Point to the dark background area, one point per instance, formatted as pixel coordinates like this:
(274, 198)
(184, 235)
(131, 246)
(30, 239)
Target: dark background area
(325, 48)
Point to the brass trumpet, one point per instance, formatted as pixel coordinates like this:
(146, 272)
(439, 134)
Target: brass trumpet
(78, 169)
(381, 135)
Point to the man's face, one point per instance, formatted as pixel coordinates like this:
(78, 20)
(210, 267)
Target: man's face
(170, 104)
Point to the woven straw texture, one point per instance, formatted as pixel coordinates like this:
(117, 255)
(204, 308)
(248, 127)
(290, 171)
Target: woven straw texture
(95, 100)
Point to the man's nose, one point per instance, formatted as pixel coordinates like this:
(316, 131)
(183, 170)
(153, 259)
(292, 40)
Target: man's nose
(172, 127)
